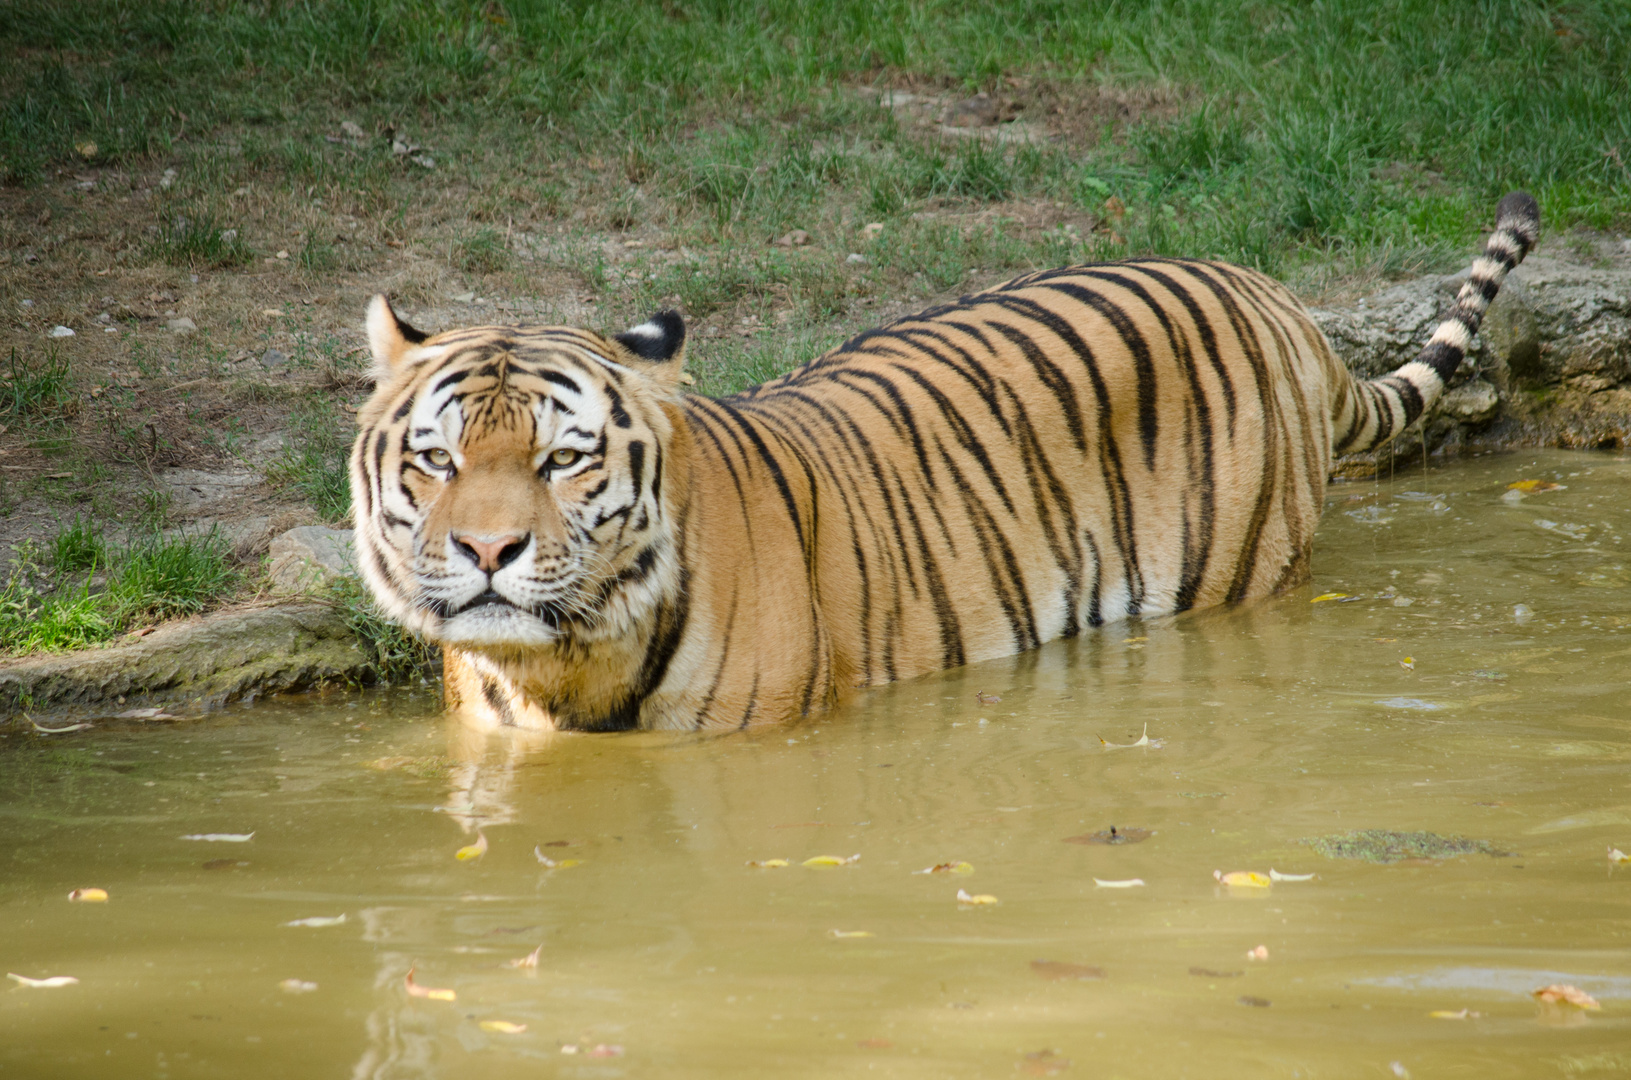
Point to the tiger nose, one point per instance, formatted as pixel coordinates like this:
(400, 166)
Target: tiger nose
(491, 554)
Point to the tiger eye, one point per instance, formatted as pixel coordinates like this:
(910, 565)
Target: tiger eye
(564, 457)
(439, 458)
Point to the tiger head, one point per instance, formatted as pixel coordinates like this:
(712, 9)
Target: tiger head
(508, 482)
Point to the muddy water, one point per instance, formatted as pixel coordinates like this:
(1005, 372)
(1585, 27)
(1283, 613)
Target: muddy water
(1475, 688)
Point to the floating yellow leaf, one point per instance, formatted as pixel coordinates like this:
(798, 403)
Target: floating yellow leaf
(528, 961)
(43, 984)
(1134, 640)
(431, 992)
(89, 896)
(975, 901)
(1143, 740)
(1246, 879)
(1529, 487)
(769, 864)
(840, 934)
(1322, 597)
(1128, 883)
(1458, 1014)
(503, 1027)
(1564, 994)
(832, 860)
(1408, 663)
(1617, 857)
(472, 851)
(1259, 953)
(1275, 875)
(296, 986)
(947, 868)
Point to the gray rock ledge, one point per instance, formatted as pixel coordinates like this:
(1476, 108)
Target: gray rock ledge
(194, 665)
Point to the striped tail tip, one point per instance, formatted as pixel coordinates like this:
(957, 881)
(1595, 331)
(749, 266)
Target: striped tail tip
(1517, 228)
(1393, 402)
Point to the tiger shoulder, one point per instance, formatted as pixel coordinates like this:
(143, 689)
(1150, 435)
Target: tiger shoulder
(596, 549)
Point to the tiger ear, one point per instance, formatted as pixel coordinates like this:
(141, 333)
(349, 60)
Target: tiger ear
(389, 337)
(657, 348)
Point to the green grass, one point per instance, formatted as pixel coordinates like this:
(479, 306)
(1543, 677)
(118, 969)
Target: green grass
(396, 656)
(198, 241)
(314, 464)
(36, 389)
(77, 590)
(1308, 102)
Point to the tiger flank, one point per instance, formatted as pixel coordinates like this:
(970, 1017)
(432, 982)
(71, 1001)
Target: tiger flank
(597, 549)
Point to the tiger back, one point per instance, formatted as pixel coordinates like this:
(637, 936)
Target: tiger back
(598, 550)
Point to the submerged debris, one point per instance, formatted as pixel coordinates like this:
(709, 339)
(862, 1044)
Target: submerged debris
(1112, 835)
(1386, 846)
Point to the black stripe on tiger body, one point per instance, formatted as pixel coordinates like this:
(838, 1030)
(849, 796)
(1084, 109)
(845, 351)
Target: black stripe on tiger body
(600, 549)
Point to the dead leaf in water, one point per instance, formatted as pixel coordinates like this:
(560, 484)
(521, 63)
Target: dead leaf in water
(1459, 1014)
(986, 699)
(1617, 857)
(1408, 663)
(1043, 1063)
(528, 961)
(1323, 597)
(1143, 740)
(472, 851)
(605, 1050)
(947, 868)
(769, 864)
(297, 986)
(145, 714)
(503, 1027)
(839, 935)
(1259, 953)
(53, 983)
(1529, 487)
(1123, 883)
(318, 921)
(1565, 994)
(89, 896)
(1275, 875)
(1208, 973)
(980, 900)
(431, 992)
(64, 730)
(550, 864)
(1060, 971)
(221, 837)
(832, 860)
(1242, 879)
(1111, 836)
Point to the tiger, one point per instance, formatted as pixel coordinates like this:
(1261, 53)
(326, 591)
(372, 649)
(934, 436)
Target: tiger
(597, 548)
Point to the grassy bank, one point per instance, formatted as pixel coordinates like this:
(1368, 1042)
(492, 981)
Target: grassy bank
(1354, 125)
(259, 168)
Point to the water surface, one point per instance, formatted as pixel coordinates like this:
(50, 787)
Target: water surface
(1475, 686)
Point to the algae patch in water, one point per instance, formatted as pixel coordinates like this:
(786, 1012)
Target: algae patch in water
(1385, 846)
